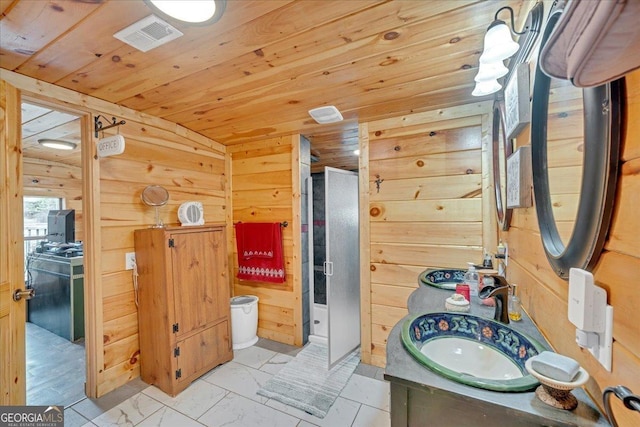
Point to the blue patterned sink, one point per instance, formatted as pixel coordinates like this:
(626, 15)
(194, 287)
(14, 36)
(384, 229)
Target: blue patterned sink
(472, 350)
(442, 278)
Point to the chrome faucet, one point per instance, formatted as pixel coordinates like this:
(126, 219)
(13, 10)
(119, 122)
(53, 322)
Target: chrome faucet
(500, 293)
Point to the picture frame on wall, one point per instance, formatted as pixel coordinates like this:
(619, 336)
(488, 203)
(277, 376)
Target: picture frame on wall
(519, 179)
(516, 101)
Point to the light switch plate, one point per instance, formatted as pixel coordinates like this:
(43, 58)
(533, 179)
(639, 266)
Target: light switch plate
(603, 351)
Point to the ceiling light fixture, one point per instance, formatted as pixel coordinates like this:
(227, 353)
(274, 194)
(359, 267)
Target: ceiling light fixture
(498, 46)
(197, 12)
(328, 114)
(57, 144)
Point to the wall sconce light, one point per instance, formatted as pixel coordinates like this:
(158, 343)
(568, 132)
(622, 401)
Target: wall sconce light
(486, 88)
(498, 46)
(491, 71)
(498, 43)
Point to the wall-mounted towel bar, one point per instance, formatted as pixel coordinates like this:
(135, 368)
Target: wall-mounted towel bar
(283, 223)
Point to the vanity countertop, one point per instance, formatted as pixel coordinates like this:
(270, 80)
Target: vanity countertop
(403, 369)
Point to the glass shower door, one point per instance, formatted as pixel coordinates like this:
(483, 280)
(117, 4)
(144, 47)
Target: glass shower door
(342, 266)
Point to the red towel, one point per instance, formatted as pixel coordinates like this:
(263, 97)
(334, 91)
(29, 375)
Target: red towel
(260, 255)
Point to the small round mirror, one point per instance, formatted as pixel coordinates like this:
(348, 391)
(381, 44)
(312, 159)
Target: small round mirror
(155, 196)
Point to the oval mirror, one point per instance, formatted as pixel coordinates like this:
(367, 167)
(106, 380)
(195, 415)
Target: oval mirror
(565, 153)
(573, 236)
(501, 149)
(155, 196)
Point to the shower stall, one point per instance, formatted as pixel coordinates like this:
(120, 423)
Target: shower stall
(335, 271)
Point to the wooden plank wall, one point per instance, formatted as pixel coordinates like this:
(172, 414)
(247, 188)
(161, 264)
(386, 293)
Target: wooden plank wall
(152, 157)
(190, 166)
(425, 202)
(544, 295)
(262, 184)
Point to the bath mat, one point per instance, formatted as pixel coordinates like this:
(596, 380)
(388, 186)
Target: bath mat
(306, 384)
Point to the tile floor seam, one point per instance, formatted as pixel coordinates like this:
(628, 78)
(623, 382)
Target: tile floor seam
(177, 410)
(173, 409)
(151, 414)
(164, 405)
(228, 392)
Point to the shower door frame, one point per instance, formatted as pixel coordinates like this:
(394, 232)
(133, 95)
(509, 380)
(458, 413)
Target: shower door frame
(343, 282)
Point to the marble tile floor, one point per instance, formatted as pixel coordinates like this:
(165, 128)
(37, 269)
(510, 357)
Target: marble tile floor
(226, 396)
(55, 368)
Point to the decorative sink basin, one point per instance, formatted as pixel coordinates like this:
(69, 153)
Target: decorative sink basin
(442, 278)
(472, 350)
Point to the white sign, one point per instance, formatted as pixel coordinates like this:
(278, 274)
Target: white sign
(110, 146)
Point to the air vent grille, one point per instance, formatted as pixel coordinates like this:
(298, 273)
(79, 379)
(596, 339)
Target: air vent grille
(328, 114)
(148, 33)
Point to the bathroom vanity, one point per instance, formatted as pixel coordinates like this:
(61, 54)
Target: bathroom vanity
(420, 397)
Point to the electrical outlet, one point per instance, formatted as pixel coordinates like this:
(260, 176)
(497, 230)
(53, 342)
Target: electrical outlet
(129, 260)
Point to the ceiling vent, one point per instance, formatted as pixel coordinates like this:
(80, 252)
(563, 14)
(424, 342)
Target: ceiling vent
(328, 114)
(148, 33)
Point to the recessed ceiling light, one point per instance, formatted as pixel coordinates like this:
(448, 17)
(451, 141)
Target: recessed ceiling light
(328, 114)
(356, 152)
(58, 144)
(200, 12)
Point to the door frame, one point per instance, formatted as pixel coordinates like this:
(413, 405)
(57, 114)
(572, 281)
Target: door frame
(92, 244)
(12, 314)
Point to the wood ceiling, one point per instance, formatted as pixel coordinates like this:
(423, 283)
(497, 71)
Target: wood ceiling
(257, 71)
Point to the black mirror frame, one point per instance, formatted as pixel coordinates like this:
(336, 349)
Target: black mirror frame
(502, 212)
(603, 125)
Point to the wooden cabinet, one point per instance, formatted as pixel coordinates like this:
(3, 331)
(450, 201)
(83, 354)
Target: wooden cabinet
(183, 304)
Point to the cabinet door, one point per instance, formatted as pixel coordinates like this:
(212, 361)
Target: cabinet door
(201, 292)
(203, 351)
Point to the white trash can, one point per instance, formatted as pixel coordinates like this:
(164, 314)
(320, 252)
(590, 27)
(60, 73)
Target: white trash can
(244, 321)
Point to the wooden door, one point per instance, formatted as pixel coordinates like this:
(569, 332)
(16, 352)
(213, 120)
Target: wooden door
(12, 313)
(200, 288)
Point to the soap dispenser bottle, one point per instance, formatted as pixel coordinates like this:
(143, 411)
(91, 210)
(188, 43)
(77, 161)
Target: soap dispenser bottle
(471, 279)
(515, 306)
(486, 261)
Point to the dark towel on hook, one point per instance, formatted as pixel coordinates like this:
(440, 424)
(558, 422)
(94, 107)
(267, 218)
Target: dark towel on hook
(260, 254)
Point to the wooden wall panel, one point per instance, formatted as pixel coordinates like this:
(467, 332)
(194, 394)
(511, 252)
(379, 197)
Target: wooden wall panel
(262, 184)
(189, 165)
(425, 208)
(189, 171)
(545, 296)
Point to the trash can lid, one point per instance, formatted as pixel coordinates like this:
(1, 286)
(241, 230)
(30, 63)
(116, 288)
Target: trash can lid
(244, 300)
